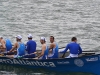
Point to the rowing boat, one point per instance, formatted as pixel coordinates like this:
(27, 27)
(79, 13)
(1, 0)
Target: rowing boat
(89, 63)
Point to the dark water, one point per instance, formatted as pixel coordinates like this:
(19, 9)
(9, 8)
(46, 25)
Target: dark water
(10, 70)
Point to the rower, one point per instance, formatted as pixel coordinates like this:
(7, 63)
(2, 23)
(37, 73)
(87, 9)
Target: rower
(74, 48)
(44, 52)
(18, 47)
(53, 48)
(2, 46)
(30, 47)
(6, 44)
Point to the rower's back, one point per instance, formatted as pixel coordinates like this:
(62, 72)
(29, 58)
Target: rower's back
(8, 45)
(21, 49)
(45, 56)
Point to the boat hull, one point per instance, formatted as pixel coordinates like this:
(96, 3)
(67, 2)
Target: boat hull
(90, 64)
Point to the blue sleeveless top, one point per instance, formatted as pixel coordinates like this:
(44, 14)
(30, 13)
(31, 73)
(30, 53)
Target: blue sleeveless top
(21, 49)
(8, 44)
(45, 56)
(55, 52)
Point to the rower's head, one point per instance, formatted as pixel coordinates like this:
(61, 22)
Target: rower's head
(42, 40)
(74, 39)
(1, 38)
(52, 39)
(30, 36)
(18, 38)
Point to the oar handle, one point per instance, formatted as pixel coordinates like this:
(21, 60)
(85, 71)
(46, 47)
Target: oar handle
(61, 47)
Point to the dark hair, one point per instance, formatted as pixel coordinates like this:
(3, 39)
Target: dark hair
(30, 38)
(52, 37)
(73, 39)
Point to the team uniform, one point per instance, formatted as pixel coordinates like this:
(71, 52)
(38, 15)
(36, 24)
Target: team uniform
(20, 50)
(74, 48)
(8, 45)
(30, 48)
(54, 52)
(45, 56)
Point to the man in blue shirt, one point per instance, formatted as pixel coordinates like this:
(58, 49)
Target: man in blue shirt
(30, 47)
(74, 48)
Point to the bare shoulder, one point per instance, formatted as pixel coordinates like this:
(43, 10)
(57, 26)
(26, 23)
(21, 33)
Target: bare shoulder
(52, 44)
(16, 44)
(3, 41)
(44, 45)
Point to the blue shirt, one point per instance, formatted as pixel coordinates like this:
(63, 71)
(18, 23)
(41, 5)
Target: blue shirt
(31, 46)
(8, 44)
(21, 49)
(74, 48)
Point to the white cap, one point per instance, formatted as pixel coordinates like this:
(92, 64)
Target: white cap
(30, 36)
(1, 37)
(43, 38)
(19, 36)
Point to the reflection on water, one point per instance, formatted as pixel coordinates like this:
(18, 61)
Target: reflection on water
(11, 70)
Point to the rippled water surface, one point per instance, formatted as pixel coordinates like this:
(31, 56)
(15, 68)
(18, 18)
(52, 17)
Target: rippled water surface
(61, 18)
(10, 70)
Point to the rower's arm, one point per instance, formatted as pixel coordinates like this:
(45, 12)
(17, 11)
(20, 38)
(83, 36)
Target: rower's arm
(42, 53)
(80, 50)
(67, 47)
(14, 47)
(51, 46)
(3, 45)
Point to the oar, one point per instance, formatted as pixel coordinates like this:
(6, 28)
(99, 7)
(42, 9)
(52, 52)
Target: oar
(63, 55)
(61, 47)
(91, 51)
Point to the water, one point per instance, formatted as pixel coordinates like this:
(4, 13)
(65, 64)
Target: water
(61, 18)
(10, 70)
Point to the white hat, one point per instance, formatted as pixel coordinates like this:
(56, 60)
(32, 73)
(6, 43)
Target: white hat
(43, 38)
(19, 36)
(1, 36)
(30, 36)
